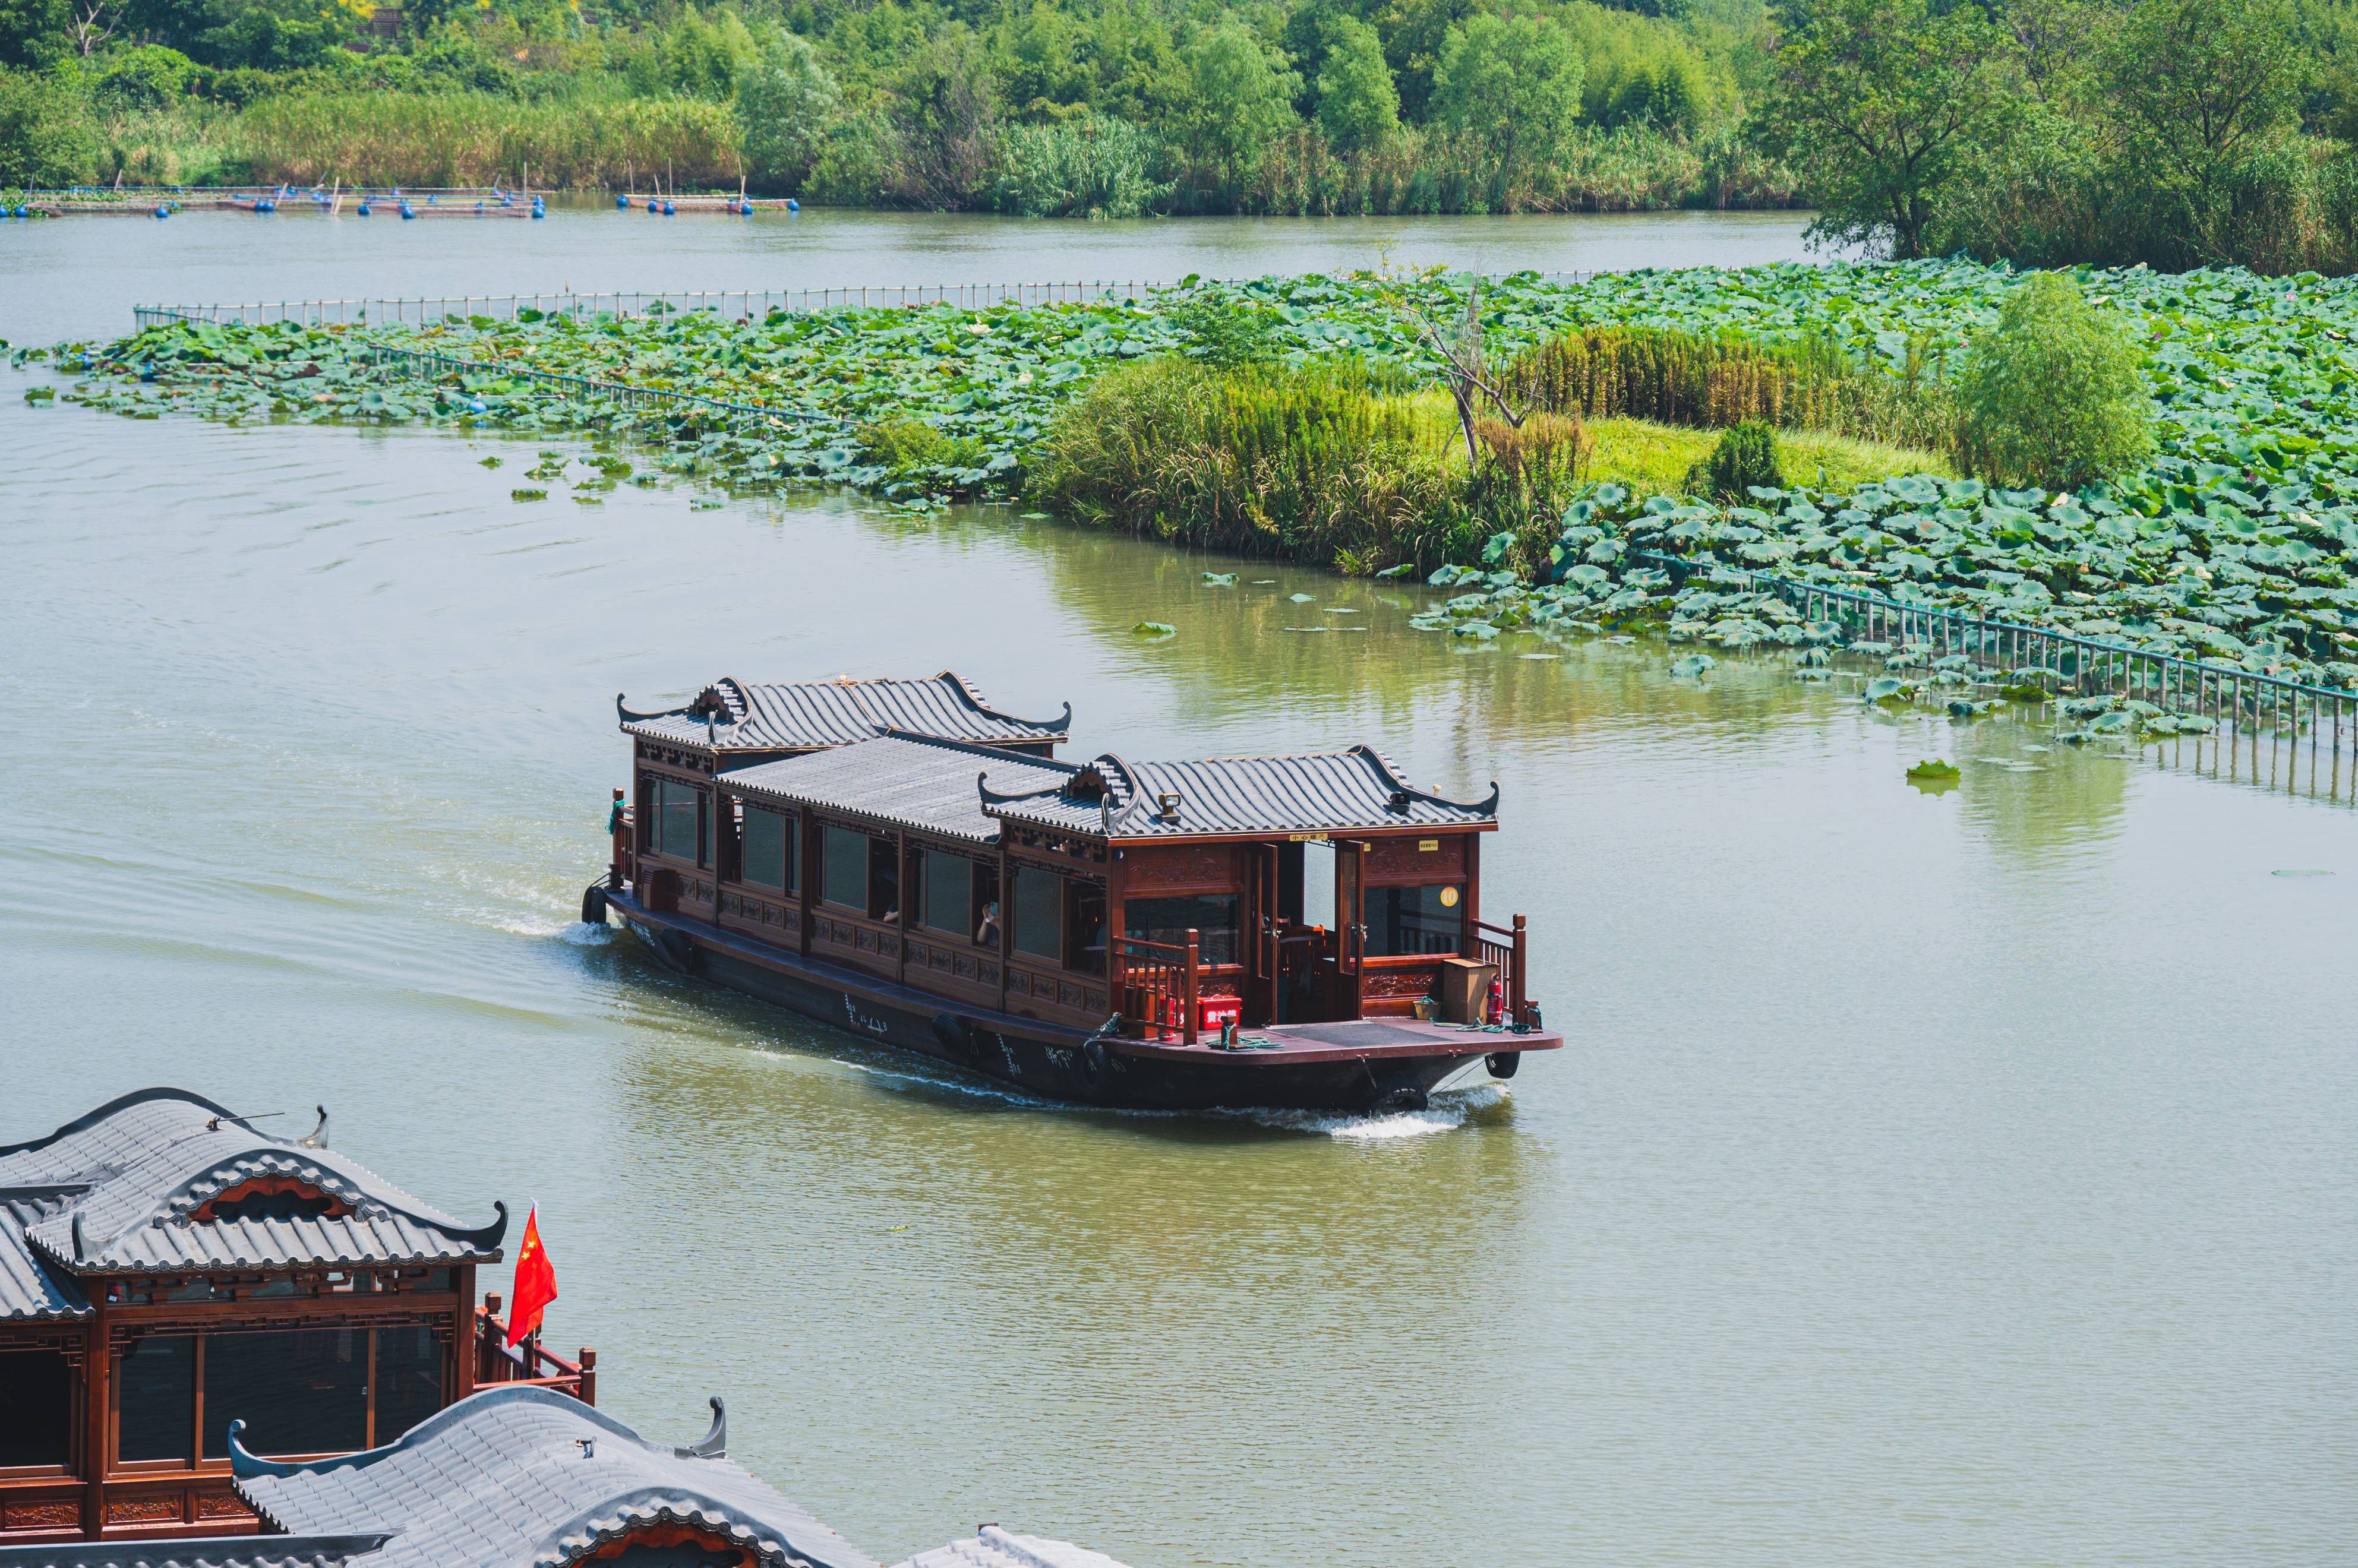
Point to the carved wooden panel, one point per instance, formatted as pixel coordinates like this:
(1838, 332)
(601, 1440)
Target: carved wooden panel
(222, 1505)
(168, 1509)
(1166, 866)
(47, 1513)
(1397, 860)
(1409, 982)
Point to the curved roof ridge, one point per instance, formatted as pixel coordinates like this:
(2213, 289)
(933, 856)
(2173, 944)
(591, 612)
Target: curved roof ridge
(1062, 723)
(612, 1518)
(245, 1464)
(1487, 805)
(972, 748)
(121, 1103)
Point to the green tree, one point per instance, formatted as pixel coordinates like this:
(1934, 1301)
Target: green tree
(1239, 102)
(2052, 395)
(1512, 87)
(1879, 105)
(2204, 96)
(784, 106)
(33, 32)
(1358, 106)
(46, 138)
(1415, 32)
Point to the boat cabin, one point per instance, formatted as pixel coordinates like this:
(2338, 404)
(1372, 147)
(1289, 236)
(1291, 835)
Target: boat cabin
(1180, 897)
(166, 1267)
(732, 724)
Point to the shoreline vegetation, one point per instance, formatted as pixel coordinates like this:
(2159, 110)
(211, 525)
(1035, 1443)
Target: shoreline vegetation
(2170, 463)
(2176, 134)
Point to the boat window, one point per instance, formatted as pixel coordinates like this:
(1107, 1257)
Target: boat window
(408, 1379)
(945, 891)
(1038, 914)
(767, 849)
(1414, 920)
(37, 1391)
(676, 827)
(843, 868)
(156, 1398)
(297, 1390)
(1213, 916)
(883, 879)
(1084, 923)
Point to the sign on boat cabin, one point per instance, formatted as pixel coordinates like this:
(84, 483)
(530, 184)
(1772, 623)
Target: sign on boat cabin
(168, 1267)
(1285, 930)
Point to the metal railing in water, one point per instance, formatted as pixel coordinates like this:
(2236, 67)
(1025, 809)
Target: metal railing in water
(2241, 704)
(741, 304)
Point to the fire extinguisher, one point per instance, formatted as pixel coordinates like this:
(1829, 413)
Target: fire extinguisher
(1497, 1011)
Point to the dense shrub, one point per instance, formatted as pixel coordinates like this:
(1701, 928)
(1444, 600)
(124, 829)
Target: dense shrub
(46, 137)
(1086, 167)
(2051, 395)
(1745, 457)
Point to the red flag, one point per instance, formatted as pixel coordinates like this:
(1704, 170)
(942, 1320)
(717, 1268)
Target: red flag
(536, 1282)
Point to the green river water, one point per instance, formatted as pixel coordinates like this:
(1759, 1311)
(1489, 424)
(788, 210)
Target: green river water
(1929, 1179)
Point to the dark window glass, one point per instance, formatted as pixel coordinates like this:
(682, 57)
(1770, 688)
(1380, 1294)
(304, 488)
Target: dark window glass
(675, 818)
(1084, 921)
(843, 861)
(298, 1391)
(766, 849)
(945, 887)
(883, 879)
(1038, 914)
(984, 921)
(408, 1379)
(1213, 915)
(1405, 921)
(37, 1390)
(156, 1398)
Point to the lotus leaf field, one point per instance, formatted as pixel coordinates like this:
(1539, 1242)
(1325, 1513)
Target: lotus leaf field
(2234, 544)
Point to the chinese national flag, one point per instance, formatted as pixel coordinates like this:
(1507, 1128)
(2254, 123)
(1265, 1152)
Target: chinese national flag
(536, 1282)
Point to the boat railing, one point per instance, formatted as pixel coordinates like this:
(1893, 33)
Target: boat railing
(497, 1361)
(1503, 946)
(1161, 986)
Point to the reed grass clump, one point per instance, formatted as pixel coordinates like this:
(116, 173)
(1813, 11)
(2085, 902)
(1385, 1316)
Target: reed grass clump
(480, 138)
(1308, 463)
(1718, 381)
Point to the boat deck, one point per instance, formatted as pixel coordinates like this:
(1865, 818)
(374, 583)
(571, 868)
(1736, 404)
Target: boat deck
(1350, 1039)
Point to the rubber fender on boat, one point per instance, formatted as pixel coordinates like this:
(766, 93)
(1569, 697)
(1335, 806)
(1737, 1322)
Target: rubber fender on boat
(1397, 1096)
(593, 904)
(1502, 1064)
(676, 948)
(955, 1034)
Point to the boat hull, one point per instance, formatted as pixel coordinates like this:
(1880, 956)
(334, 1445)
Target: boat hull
(1044, 1059)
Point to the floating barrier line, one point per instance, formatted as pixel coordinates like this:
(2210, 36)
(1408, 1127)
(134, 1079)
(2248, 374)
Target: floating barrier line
(637, 396)
(748, 303)
(2222, 693)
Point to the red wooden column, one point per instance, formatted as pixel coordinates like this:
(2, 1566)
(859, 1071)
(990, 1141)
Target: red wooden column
(97, 1377)
(463, 1338)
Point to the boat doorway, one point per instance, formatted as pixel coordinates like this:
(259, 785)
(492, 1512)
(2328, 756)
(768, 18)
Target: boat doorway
(1308, 954)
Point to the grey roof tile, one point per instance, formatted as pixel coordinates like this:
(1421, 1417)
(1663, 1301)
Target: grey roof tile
(522, 1477)
(209, 1552)
(146, 1161)
(1323, 792)
(28, 1288)
(900, 781)
(782, 716)
(993, 1547)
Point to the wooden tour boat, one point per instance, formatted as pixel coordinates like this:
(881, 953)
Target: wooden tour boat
(901, 859)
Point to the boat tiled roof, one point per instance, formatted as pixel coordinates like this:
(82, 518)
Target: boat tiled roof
(209, 1552)
(992, 1547)
(131, 1175)
(1319, 792)
(28, 1288)
(520, 1477)
(900, 779)
(731, 715)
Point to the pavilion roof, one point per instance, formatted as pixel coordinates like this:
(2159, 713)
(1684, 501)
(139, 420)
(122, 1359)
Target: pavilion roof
(1320, 792)
(899, 780)
(731, 715)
